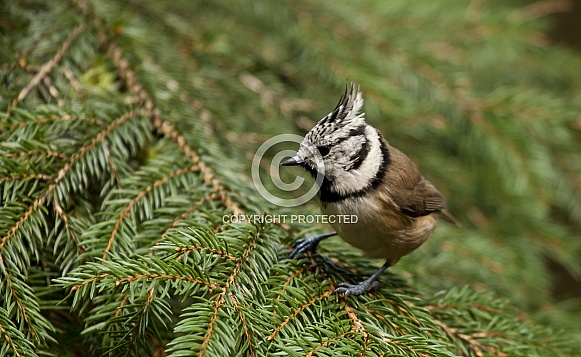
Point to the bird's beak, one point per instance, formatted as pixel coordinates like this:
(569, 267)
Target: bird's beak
(292, 161)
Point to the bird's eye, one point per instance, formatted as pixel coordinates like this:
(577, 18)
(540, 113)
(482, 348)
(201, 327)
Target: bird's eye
(324, 150)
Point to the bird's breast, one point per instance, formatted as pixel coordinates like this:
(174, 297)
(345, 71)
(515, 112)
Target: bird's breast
(380, 229)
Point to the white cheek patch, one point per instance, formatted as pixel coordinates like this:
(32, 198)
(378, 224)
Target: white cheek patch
(346, 182)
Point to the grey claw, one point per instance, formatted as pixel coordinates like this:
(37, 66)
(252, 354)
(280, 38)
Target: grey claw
(361, 288)
(308, 244)
(303, 245)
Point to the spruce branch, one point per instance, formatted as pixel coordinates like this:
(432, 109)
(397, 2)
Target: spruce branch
(147, 190)
(47, 67)
(127, 133)
(141, 96)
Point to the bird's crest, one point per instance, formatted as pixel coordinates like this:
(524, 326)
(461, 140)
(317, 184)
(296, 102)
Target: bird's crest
(346, 116)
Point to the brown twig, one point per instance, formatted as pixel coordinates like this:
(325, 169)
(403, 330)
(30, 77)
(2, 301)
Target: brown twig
(143, 193)
(47, 67)
(221, 298)
(297, 312)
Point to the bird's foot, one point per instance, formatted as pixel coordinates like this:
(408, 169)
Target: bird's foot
(364, 286)
(304, 245)
(308, 244)
(357, 289)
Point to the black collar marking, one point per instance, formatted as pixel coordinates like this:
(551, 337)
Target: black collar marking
(326, 195)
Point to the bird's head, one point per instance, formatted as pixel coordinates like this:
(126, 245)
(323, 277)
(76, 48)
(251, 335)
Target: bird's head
(343, 145)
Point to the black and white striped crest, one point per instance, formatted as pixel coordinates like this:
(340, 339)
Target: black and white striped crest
(343, 121)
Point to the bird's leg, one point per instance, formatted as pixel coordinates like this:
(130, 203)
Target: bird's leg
(362, 287)
(308, 244)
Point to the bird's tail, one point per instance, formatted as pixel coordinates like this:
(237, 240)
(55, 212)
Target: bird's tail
(448, 217)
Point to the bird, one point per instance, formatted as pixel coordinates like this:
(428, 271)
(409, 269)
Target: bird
(363, 175)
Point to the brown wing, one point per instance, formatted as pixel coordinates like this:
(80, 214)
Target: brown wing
(422, 200)
(410, 191)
